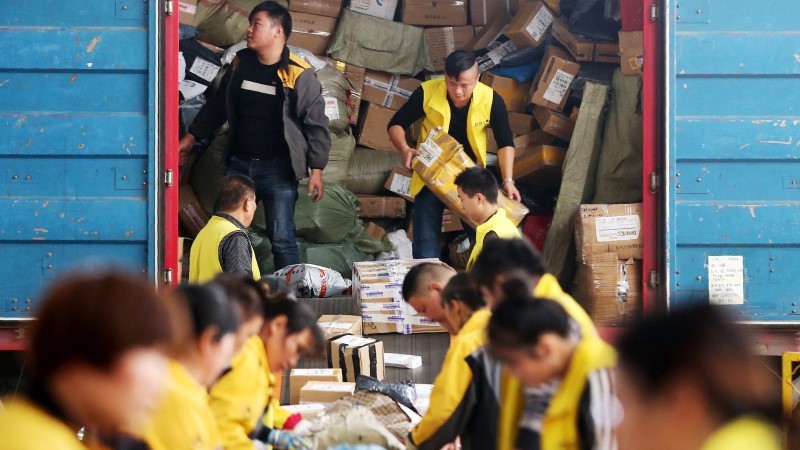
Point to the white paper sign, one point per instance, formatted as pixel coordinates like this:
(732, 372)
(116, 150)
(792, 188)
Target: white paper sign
(191, 89)
(726, 280)
(204, 69)
(336, 325)
(617, 228)
(429, 152)
(331, 108)
(315, 372)
(540, 23)
(558, 86)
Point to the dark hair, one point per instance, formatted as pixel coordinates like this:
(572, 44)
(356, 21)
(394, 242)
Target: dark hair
(520, 321)
(505, 257)
(463, 288)
(299, 318)
(95, 319)
(208, 306)
(418, 274)
(244, 292)
(478, 180)
(277, 13)
(233, 191)
(702, 343)
(459, 61)
(276, 285)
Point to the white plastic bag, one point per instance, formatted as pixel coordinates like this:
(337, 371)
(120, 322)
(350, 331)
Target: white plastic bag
(401, 244)
(310, 281)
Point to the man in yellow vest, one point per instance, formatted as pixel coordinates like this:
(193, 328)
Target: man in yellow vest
(465, 109)
(477, 190)
(223, 245)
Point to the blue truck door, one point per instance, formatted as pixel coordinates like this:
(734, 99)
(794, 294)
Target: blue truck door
(78, 143)
(733, 154)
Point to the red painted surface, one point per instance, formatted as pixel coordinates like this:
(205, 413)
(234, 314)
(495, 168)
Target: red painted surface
(170, 109)
(12, 339)
(632, 12)
(536, 227)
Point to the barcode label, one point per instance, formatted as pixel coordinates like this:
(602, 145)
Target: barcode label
(331, 108)
(540, 23)
(619, 228)
(558, 87)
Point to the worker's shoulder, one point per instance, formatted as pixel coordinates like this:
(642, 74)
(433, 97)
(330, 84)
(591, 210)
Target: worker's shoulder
(23, 425)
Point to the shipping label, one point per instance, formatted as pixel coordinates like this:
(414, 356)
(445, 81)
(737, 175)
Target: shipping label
(401, 184)
(558, 86)
(617, 228)
(187, 8)
(315, 372)
(335, 325)
(540, 23)
(331, 108)
(204, 69)
(726, 280)
(354, 341)
(429, 152)
(329, 387)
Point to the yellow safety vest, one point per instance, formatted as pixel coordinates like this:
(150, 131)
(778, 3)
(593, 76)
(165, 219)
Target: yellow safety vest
(204, 262)
(745, 433)
(437, 114)
(25, 425)
(500, 224)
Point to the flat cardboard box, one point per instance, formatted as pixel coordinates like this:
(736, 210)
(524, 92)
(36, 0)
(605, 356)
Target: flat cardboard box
(583, 49)
(186, 11)
(383, 9)
(552, 84)
(539, 165)
(356, 355)
(387, 90)
(514, 93)
(445, 40)
(381, 207)
(399, 182)
(610, 289)
(355, 77)
(520, 141)
(481, 12)
(307, 411)
(609, 229)
(312, 32)
(530, 25)
(521, 123)
(435, 12)
(631, 50)
(554, 123)
(190, 213)
(299, 377)
(372, 124)
(328, 8)
(375, 230)
(325, 392)
(333, 325)
(451, 222)
(541, 137)
(489, 33)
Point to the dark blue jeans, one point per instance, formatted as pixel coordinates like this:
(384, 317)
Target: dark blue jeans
(428, 210)
(276, 188)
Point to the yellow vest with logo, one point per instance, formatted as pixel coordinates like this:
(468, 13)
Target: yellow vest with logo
(500, 224)
(437, 114)
(204, 262)
(25, 425)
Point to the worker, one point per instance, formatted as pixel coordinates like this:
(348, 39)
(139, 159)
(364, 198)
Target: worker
(95, 359)
(538, 343)
(223, 245)
(465, 108)
(246, 295)
(422, 290)
(688, 380)
(243, 400)
(478, 191)
(464, 404)
(501, 261)
(278, 130)
(202, 349)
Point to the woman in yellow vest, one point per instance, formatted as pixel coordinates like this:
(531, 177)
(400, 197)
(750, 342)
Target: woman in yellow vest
(202, 350)
(542, 346)
(243, 400)
(689, 381)
(96, 363)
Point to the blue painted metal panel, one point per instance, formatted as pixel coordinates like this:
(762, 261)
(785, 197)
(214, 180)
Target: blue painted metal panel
(734, 151)
(78, 153)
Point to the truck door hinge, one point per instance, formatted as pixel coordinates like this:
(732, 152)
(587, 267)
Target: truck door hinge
(653, 12)
(168, 7)
(654, 279)
(168, 277)
(168, 177)
(654, 182)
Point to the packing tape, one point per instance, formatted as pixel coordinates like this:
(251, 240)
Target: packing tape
(391, 89)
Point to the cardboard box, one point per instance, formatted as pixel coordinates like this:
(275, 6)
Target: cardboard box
(387, 90)
(446, 40)
(489, 33)
(521, 123)
(375, 230)
(383, 9)
(325, 392)
(299, 377)
(451, 222)
(356, 355)
(529, 26)
(328, 8)
(552, 84)
(372, 124)
(312, 32)
(435, 12)
(379, 207)
(583, 49)
(554, 123)
(355, 78)
(402, 361)
(307, 411)
(539, 165)
(333, 325)
(631, 50)
(514, 94)
(610, 289)
(541, 137)
(190, 213)
(186, 11)
(481, 12)
(609, 229)
(399, 182)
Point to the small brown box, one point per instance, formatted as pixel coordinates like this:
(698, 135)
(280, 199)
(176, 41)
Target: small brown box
(387, 90)
(631, 49)
(325, 391)
(299, 377)
(333, 325)
(481, 12)
(521, 123)
(372, 124)
(514, 93)
(451, 222)
(530, 25)
(554, 123)
(312, 32)
(186, 11)
(552, 84)
(376, 231)
(434, 12)
(399, 182)
(488, 33)
(583, 49)
(445, 40)
(356, 356)
(190, 213)
(328, 8)
(380, 207)
(610, 289)
(609, 228)
(540, 165)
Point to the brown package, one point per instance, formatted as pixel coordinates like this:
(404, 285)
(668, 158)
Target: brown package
(609, 228)
(631, 50)
(378, 207)
(488, 33)
(312, 32)
(387, 90)
(190, 213)
(583, 49)
(554, 123)
(328, 8)
(539, 165)
(299, 377)
(399, 182)
(435, 12)
(325, 391)
(372, 125)
(514, 93)
(356, 355)
(530, 25)
(445, 40)
(552, 84)
(610, 289)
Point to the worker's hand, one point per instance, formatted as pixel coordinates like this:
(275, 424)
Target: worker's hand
(511, 191)
(315, 183)
(287, 440)
(184, 147)
(408, 155)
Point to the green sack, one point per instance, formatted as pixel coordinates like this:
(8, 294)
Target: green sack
(331, 220)
(224, 22)
(342, 145)
(369, 170)
(334, 91)
(380, 44)
(339, 257)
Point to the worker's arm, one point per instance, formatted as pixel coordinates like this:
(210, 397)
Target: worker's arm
(402, 119)
(505, 143)
(236, 402)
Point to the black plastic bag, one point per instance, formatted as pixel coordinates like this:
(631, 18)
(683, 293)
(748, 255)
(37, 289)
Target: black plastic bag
(404, 393)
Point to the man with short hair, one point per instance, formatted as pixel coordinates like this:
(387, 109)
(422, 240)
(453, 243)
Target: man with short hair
(223, 245)
(422, 289)
(478, 191)
(278, 131)
(465, 108)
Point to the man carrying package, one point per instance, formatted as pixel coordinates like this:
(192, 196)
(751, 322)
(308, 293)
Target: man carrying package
(465, 109)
